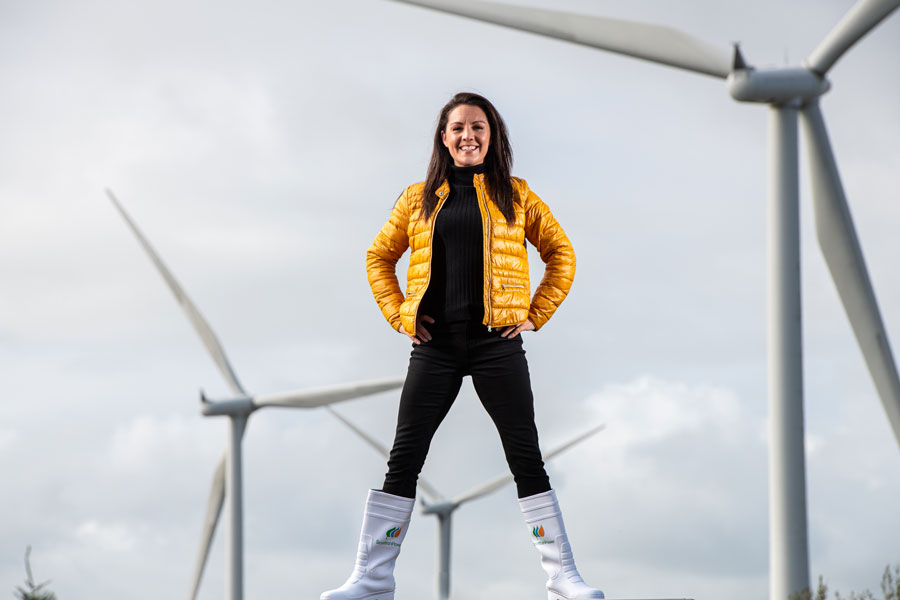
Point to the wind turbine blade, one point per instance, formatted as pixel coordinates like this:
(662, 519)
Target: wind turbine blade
(580, 438)
(859, 20)
(655, 43)
(379, 447)
(840, 246)
(202, 328)
(426, 486)
(328, 395)
(213, 512)
(383, 451)
(501, 480)
(483, 489)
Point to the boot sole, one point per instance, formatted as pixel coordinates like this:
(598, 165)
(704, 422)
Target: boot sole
(551, 595)
(373, 596)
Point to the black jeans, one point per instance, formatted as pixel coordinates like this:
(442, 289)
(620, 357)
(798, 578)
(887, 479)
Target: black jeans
(500, 375)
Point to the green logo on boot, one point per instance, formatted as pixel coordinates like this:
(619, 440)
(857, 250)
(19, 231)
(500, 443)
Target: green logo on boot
(538, 532)
(392, 533)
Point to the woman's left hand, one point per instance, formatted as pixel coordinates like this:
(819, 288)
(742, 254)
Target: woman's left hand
(514, 330)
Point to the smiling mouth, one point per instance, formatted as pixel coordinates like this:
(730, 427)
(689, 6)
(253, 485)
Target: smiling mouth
(468, 148)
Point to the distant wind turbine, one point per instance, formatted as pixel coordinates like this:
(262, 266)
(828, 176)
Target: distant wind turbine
(239, 409)
(439, 506)
(790, 92)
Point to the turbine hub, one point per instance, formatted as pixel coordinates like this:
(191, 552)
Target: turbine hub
(776, 86)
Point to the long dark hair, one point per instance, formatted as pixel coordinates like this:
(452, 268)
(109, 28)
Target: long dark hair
(497, 161)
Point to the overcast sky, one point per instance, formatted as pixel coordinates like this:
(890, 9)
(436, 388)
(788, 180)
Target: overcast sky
(261, 146)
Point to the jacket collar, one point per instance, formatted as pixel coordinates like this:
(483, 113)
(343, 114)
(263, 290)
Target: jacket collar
(444, 189)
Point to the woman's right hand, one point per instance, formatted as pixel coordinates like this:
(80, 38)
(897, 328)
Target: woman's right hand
(422, 334)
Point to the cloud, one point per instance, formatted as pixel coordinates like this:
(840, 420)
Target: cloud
(679, 463)
(260, 146)
(8, 438)
(146, 442)
(107, 538)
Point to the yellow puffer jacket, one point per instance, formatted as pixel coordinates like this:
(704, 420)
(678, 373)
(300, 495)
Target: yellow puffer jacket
(507, 293)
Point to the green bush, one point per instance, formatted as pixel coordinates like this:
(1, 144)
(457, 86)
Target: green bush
(890, 589)
(33, 591)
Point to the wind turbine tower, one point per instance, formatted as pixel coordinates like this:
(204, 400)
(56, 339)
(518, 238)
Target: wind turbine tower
(792, 94)
(443, 508)
(228, 476)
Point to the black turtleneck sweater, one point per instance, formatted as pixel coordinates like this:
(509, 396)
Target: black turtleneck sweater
(456, 289)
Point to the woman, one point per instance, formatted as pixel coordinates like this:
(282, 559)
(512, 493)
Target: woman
(467, 302)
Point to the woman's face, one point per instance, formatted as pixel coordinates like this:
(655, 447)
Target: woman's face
(467, 135)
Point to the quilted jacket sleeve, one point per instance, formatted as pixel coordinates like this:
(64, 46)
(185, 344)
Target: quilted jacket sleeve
(546, 234)
(381, 260)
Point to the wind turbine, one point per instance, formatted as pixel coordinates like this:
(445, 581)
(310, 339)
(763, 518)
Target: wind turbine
(442, 508)
(228, 473)
(791, 93)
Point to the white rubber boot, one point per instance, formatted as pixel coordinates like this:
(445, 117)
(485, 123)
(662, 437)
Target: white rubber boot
(548, 533)
(383, 529)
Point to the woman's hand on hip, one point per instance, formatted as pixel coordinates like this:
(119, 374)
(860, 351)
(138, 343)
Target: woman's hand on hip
(514, 330)
(422, 334)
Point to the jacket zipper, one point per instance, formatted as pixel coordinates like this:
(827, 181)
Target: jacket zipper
(488, 313)
(440, 205)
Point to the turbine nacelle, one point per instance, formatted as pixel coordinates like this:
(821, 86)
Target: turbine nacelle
(440, 508)
(778, 86)
(240, 406)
